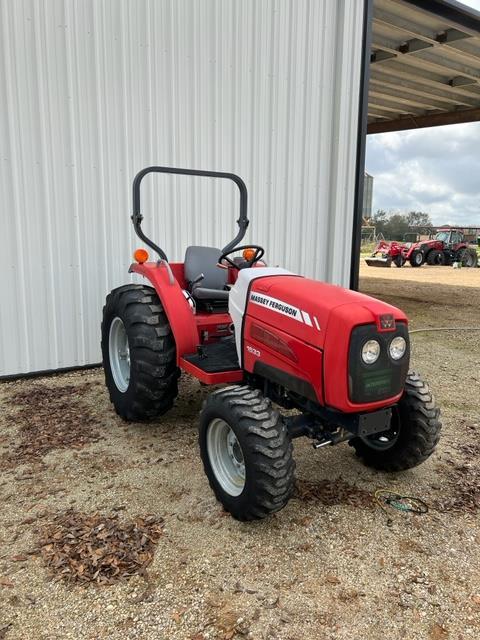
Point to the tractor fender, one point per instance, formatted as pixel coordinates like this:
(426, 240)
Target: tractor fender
(423, 247)
(178, 310)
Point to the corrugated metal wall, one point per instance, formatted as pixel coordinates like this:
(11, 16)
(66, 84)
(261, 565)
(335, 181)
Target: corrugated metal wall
(93, 90)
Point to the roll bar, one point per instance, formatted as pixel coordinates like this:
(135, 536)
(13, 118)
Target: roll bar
(137, 217)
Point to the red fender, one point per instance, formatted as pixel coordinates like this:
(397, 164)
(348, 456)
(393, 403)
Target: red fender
(177, 308)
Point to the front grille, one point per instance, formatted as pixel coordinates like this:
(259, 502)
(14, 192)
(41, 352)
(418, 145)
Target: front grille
(384, 378)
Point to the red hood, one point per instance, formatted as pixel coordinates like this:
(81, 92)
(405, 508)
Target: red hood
(304, 308)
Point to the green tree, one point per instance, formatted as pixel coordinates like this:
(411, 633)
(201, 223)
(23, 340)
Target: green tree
(380, 219)
(396, 227)
(418, 219)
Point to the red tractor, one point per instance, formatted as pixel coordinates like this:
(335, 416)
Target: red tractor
(337, 357)
(385, 253)
(447, 247)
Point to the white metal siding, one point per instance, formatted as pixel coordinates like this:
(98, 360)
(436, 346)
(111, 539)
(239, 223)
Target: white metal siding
(93, 90)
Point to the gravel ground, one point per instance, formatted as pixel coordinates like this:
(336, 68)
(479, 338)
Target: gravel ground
(326, 567)
(445, 275)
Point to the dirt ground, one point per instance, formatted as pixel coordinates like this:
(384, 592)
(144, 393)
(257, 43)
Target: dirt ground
(463, 277)
(329, 566)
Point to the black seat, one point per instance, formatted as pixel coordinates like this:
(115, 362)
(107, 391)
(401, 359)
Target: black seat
(202, 261)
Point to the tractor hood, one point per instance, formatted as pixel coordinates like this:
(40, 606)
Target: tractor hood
(305, 308)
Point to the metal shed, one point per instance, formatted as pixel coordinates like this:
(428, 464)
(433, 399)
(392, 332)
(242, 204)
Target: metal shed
(275, 91)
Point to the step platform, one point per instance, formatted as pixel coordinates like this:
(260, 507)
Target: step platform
(216, 363)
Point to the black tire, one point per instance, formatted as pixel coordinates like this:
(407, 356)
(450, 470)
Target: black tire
(399, 261)
(266, 447)
(416, 423)
(435, 257)
(468, 257)
(152, 386)
(417, 258)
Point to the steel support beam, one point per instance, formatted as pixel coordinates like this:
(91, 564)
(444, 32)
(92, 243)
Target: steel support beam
(431, 120)
(405, 97)
(428, 78)
(418, 87)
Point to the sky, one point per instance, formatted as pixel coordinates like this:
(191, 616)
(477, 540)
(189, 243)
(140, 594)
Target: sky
(433, 170)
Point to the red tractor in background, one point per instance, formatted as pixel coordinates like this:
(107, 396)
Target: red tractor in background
(339, 358)
(385, 253)
(447, 247)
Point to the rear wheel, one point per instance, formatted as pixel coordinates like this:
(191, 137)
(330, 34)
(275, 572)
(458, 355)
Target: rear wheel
(138, 352)
(413, 434)
(246, 452)
(436, 258)
(417, 258)
(468, 257)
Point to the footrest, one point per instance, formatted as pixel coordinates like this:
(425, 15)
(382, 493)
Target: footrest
(216, 357)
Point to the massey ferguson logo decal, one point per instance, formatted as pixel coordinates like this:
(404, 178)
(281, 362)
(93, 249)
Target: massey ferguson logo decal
(285, 309)
(387, 321)
(276, 305)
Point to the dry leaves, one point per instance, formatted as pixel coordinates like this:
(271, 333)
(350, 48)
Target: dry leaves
(3, 630)
(475, 599)
(465, 484)
(332, 493)
(6, 582)
(50, 418)
(438, 632)
(82, 548)
(406, 545)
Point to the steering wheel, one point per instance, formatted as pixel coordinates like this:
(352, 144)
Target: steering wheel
(259, 253)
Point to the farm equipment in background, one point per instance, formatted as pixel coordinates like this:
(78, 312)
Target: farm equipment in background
(279, 341)
(447, 247)
(385, 253)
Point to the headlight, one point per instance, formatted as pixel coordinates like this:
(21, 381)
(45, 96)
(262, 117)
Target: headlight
(370, 351)
(397, 348)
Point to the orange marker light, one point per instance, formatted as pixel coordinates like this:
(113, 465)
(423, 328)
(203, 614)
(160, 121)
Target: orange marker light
(248, 254)
(140, 256)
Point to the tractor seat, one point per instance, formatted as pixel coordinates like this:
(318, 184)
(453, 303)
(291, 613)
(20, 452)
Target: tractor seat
(203, 261)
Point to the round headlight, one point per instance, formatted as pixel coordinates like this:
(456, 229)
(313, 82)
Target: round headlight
(370, 351)
(397, 348)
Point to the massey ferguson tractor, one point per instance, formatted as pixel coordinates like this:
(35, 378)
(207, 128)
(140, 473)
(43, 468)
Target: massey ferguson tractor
(270, 341)
(447, 247)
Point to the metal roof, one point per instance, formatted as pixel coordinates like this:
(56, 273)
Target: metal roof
(425, 64)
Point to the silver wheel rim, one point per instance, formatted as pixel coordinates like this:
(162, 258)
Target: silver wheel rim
(226, 457)
(119, 354)
(418, 258)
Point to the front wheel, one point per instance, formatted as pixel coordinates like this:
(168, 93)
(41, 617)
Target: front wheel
(417, 258)
(399, 261)
(413, 435)
(246, 452)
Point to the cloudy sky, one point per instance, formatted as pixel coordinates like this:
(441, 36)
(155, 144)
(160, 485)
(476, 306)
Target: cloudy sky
(435, 170)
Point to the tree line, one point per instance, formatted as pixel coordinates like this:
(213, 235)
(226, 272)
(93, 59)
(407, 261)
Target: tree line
(394, 226)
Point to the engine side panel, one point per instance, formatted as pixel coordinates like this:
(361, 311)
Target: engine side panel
(237, 301)
(299, 362)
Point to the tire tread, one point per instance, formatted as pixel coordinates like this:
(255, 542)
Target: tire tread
(154, 374)
(270, 450)
(424, 427)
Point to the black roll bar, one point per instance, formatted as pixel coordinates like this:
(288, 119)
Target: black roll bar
(137, 217)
